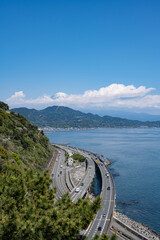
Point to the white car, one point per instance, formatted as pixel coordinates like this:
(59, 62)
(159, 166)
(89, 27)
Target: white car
(77, 189)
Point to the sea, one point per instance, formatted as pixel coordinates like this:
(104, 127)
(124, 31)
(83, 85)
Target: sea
(135, 157)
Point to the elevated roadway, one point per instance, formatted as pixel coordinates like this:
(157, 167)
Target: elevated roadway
(103, 217)
(59, 179)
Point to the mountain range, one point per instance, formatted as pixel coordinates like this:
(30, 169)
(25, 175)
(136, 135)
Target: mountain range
(64, 117)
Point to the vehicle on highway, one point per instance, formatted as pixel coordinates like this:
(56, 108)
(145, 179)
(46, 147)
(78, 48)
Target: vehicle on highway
(108, 188)
(82, 184)
(104, 215)
(61, 166)
(107, 175)
(77, 189)
(99, 228)
(61, 172)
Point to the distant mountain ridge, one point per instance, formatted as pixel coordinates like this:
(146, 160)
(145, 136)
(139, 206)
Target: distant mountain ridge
(64, 117)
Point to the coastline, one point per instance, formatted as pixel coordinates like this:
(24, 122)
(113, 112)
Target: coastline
(138, 227)
(133, 226)
(48, 129)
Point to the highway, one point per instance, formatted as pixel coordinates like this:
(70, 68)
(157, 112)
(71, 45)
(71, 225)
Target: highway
(57, 177)
(103, 217)
(87, 181)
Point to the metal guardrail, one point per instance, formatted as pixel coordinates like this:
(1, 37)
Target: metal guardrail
(68, 181)
(113, 192)
(130, 229)
(113, 195)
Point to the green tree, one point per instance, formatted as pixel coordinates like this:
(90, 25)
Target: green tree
(29, 210)
(79, 157)
(4, 106)
(104, 237)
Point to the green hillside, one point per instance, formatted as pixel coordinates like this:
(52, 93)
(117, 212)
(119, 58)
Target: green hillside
(64, 117)
(20, 139)
(28, 209)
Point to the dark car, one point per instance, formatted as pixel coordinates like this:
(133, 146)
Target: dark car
(108, 188)
(99, 228)
(104, 215)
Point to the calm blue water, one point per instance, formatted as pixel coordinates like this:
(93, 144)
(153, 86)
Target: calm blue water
(135, 154)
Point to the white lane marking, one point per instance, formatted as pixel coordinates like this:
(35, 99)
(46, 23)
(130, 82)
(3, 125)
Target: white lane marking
(108, 207)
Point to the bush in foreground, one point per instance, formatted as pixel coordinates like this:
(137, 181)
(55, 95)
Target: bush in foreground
(29, 211)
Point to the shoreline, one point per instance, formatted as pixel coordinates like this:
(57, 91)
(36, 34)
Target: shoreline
(138, 227)
(52, 129)
(124, 220)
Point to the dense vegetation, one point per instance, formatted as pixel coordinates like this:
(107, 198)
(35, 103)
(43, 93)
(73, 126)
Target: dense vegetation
(20, 138)
(28, 209)
(64, 117)
(78, 157)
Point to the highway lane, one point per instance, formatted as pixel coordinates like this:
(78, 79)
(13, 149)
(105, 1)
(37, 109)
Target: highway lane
(101, 222)
(88, 178)
(57, 177)
(108, 196)
(87, 182)
(103, 217)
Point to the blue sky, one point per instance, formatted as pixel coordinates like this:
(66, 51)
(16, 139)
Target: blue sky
(89, 55)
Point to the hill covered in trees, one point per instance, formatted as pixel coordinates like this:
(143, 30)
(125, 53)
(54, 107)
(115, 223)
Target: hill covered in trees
(28, 209)
(64, 117)
(20, 139)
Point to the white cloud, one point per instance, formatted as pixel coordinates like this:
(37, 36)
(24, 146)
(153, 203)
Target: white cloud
(112, 96)
(16, 98)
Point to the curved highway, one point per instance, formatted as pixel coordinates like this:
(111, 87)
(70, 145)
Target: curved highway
(58, 175)
(103, 217)
(58, 178)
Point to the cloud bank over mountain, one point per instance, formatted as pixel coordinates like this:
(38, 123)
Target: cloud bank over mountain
(115, 96)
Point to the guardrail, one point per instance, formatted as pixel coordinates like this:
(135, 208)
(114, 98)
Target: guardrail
(130, 230)
(68, 181)
(113, 192)
(113, 195)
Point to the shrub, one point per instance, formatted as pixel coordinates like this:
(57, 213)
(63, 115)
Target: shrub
(4, 106)
(3, 153)
(79, 157)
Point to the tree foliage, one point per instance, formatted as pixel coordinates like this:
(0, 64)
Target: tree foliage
(29, 210)
(4, 106)
(21, 137)
(79, 157)
(104, 237)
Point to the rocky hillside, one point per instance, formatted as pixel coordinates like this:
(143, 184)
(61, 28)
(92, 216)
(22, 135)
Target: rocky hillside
(19, 139)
